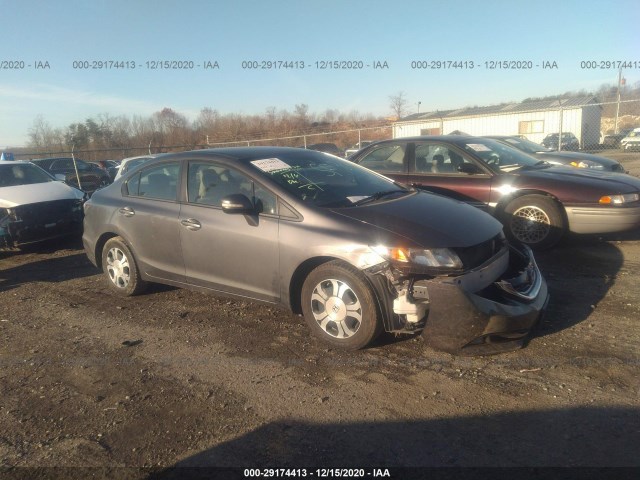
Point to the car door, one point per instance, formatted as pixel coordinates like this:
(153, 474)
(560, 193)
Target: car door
(149, 221)
(441, 168)
(232, 253)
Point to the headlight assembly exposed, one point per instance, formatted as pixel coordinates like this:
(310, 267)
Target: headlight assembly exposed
(439, 258)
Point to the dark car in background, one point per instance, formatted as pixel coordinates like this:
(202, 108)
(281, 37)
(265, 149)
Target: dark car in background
(569, 141)
(570, 159)
(35, 207)
(331, 148)
(92, 177)
(109, 166)
(352, 251)
(537, 202)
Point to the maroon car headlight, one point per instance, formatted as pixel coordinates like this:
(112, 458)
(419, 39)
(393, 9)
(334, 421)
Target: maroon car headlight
(619, 199)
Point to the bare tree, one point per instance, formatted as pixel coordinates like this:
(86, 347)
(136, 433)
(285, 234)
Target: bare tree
(398, 104)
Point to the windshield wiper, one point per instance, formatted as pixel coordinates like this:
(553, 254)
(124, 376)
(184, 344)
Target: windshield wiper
(377, 196)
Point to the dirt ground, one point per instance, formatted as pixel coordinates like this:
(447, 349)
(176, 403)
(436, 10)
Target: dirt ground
(174, 377)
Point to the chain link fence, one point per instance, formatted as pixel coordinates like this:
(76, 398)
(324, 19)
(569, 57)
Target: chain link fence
(582, 123)
(342, 139)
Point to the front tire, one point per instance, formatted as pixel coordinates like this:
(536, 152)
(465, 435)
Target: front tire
(534, 220)
(120, 268)
(339, 306)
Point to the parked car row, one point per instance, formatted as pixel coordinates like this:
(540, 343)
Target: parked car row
(84, 175)
(389, 240)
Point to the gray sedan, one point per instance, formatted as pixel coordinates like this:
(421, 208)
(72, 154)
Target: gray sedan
(352, 251)
(569, 159)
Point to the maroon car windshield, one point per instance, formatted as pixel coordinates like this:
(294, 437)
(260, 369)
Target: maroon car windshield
(500, 157)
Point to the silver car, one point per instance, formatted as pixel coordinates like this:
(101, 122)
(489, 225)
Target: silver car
(351, 250)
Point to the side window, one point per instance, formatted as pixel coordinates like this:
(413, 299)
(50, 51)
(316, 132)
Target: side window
(385, 159)
(437, 159)
(264, 200)
(209, 183)
(158, 182)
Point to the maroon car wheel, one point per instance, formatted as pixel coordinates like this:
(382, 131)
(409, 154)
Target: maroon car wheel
(534, 220)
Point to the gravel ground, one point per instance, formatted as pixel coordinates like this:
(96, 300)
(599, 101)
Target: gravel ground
(175, 377)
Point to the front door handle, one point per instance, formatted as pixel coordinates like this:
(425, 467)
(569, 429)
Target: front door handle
(127, 211)
(191, 224)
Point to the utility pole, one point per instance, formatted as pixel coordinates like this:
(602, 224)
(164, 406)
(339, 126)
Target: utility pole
(620, 80)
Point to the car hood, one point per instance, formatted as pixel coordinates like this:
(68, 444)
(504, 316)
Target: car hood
(37, 192)
(607, 162)
(429, 220)
(612, 181)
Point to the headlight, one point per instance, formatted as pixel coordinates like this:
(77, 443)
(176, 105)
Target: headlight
(440, 258)
(587, 164)
(619, 199)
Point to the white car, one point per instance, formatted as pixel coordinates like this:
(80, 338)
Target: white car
(631, 141)
(130, 163)
(34, 206)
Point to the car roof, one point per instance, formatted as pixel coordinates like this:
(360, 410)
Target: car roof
(442, 138)
(242, 154)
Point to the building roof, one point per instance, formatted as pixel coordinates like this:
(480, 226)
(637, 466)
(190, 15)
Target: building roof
(504, 108)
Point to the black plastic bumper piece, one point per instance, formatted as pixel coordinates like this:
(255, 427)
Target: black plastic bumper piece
(486, 321)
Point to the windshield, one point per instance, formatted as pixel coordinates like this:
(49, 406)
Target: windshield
(499, 156)
(326, 181)
(526, 145)
(22, 174)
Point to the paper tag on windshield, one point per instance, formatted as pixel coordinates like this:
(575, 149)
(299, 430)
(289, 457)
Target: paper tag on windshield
(271, 165)
(357, 198)
(478, 147)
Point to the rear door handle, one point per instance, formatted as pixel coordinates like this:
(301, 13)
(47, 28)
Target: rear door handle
(127, 211)
(191, 224)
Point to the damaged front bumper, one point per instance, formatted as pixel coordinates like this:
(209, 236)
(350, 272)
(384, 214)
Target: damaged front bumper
(489, 309)
(38, 222)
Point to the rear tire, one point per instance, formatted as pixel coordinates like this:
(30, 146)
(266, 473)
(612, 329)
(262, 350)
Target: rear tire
(340, 307)
(534, 220)
(120, 268)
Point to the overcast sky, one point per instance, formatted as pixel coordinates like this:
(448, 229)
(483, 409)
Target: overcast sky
(304, 33)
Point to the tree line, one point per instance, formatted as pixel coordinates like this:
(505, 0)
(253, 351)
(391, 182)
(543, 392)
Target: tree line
(168, 128)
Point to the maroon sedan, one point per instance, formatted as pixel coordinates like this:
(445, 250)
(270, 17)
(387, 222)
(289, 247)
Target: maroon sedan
(536, 202)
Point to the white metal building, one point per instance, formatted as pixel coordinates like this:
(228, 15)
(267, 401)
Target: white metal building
(535, 119)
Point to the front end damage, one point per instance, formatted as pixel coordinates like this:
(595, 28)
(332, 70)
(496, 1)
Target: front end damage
(36, 222)
(488, 308)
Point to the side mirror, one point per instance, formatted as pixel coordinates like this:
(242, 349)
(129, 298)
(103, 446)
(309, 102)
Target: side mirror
(469, 168)
(237, 203)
